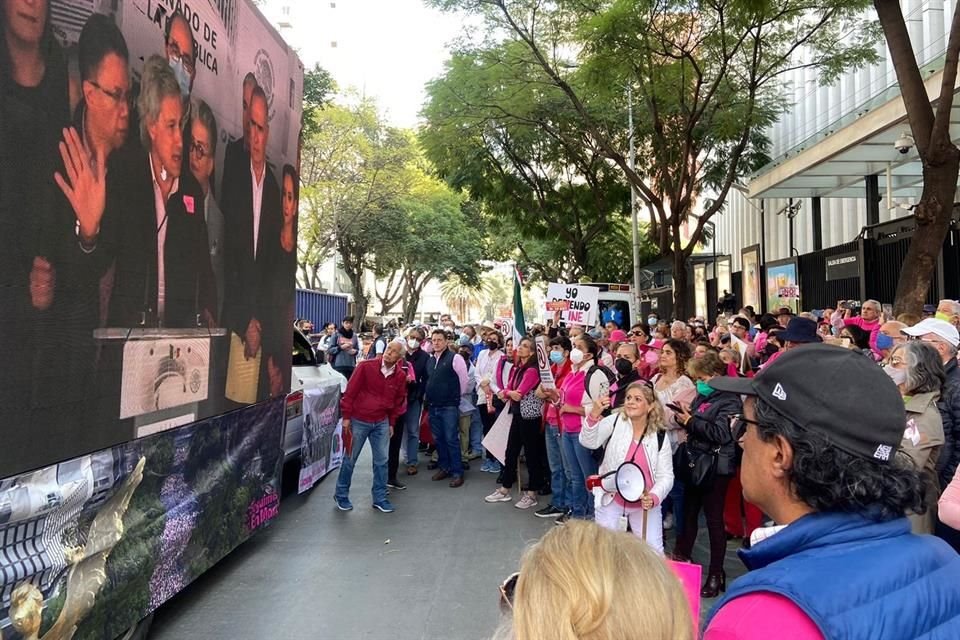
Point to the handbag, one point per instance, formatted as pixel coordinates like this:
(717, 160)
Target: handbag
(695, 466)
(531, 406)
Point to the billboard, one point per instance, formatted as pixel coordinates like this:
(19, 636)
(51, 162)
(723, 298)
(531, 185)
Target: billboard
(90, 546)
(128, 137)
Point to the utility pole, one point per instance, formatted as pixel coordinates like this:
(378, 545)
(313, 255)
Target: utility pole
(633, 213)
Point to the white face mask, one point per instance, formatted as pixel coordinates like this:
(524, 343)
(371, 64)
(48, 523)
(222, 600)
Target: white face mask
(413, 343)
(576, 356)
(899, 376)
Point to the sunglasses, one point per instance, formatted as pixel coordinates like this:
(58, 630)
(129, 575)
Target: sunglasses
(637, 333)
(507, 590)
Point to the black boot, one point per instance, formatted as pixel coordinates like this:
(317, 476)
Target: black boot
(716, 582)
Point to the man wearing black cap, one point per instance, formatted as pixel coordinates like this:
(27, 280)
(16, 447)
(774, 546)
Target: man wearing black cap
(840, 561)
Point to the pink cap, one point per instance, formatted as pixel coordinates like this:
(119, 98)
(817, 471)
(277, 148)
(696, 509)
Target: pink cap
(656, 343)
(618, 335)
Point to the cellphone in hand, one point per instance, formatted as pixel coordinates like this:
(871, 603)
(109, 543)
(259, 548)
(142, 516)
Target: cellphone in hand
(673, 406)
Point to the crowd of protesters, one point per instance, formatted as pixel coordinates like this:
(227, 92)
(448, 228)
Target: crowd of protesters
(840, 425)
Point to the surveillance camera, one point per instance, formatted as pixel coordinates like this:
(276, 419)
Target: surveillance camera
(904, 143)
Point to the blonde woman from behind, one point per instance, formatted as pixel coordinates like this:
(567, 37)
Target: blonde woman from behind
(584, 582)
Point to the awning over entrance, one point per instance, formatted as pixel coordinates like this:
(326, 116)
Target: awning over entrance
(861, 145)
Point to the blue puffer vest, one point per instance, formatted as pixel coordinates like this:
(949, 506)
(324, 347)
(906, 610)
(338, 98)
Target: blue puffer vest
(858, 579)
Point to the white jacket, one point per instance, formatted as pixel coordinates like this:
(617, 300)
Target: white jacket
(616, 432)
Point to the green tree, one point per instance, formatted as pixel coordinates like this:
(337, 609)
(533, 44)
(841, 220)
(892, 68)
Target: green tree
(494, 129)
(355, 171)
(705, 79)
(318, 90)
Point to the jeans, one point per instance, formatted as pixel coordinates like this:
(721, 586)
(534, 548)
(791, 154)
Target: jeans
(476, 432)
(411, 432)
(579, 465)
(379, 435)
(444, 424)
(675, 501)
(558, 474)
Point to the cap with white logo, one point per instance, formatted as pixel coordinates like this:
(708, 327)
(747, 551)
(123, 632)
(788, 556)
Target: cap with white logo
(839, 393)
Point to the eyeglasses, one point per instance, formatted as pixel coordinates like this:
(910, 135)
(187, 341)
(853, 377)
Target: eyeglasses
(173, 50)
(198, 150)
(120, 97)
(897, 360)
(637, 333)
(507, 590)
(738, 425)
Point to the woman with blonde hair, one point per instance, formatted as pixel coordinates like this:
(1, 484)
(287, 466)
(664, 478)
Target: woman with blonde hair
(633, 435)
(583, 582)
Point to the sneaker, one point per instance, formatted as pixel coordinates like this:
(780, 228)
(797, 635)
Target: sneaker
(499, 496)
(343, 504)
(396, 484)
(526, 502)
(485, 467)
(549, 511)
(668, 522)
(383, 506)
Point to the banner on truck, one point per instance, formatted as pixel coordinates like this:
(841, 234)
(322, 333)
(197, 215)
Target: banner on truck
(581, 302)
(322, 450)
(100, 541)
(117, 313)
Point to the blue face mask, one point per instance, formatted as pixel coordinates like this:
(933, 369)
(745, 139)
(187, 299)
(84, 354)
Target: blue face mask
(182, 75)
(652, 322)
(556, 357)
(703, 388)
(884, 342)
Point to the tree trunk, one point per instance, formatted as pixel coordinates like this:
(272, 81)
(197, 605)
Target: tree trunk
(933, 215)
(680, 284)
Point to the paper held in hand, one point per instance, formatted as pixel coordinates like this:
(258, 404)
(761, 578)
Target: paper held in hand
(496, 439)
(543, 363)
(243, 375)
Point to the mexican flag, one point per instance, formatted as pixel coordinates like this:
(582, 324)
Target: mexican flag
(519, 325)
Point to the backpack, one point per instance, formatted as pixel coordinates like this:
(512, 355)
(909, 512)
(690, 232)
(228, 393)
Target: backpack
(599, 452)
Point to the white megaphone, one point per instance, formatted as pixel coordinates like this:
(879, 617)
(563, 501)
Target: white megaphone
(629, 482)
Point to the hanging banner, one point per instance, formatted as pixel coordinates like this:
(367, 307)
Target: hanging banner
(580, 301)
(543, 362)
(100, 541)
(323, 447)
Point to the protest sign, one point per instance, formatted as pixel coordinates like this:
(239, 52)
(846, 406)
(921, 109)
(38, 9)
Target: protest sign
(543, 362)
(581, 302)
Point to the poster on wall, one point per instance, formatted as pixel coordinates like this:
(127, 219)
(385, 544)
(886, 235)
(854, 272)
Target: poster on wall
(700, 289)
(783, 285)
(100, 541)
(124, 313)
(322, 449)
(750, 272)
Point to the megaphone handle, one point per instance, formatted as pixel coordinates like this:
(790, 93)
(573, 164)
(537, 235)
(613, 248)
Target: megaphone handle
(643, 525)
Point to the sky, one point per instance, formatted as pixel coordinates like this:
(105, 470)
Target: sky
(387, 49)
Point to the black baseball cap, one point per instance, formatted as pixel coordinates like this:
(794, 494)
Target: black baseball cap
(843, 396)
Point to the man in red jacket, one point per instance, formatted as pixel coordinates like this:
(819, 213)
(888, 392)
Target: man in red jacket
(376, 395)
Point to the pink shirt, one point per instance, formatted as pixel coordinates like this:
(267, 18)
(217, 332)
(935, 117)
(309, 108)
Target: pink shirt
(759, 616)
(949, 505)
(571, 392)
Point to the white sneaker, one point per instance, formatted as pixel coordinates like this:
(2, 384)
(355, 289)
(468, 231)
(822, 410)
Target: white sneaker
(499, 496)
(526, 502)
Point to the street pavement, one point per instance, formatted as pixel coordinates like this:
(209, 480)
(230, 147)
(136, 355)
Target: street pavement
(428, 571)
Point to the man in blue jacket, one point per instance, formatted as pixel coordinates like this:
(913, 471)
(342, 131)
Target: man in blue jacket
(820, 433)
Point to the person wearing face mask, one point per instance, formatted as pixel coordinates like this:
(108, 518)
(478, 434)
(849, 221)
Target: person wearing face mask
(710, 446)
(625, 367)
(407, 433)
(488, 385)
(891, 334)
(560, 367)
(916, 369)
(948, 311)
